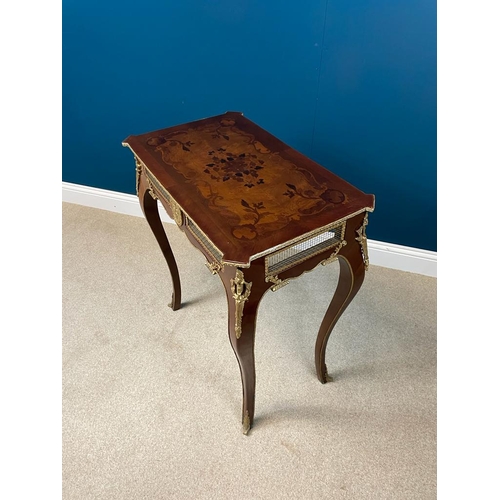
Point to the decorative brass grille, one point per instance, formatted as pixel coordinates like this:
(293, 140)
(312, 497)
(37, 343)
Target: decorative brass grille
(157, 186)
(303, 250)
(205, 242)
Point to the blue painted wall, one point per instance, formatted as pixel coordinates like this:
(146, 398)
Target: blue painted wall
(350, 83)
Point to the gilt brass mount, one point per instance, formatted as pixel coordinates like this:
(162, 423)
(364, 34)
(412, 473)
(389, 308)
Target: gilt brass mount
(246, 423)
(241, 292)
(214, 267)
(361, 238)
(138, 172)
(176, 212)
(278, 282)
(333, 257)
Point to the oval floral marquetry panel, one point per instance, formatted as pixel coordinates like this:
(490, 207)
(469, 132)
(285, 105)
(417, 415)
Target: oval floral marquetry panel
(234, 173)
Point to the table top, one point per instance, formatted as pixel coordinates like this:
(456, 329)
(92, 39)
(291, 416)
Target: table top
(246, 190)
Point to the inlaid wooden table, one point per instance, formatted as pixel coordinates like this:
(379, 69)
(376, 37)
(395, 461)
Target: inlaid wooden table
(261, 212)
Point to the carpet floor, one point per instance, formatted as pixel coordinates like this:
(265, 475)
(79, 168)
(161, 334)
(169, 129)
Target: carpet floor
(152, 397)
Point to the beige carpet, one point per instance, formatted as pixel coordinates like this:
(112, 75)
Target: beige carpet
(152, 397)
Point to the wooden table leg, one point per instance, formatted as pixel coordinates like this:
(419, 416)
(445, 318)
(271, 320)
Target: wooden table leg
(352, 272)
(149, 207)
(243, 297)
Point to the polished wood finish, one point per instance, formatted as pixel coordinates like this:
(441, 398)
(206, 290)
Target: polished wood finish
(254, 197)
(247, 190)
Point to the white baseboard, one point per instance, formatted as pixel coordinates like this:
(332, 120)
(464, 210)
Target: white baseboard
(112, 201)
(413, 260)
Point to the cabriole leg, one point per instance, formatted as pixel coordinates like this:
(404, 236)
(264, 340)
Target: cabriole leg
(353, 261)
(243, 302)
(149, 207)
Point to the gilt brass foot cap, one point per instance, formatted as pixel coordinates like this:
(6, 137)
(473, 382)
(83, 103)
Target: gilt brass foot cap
(246, 424)
(326, 378)
(171, 304)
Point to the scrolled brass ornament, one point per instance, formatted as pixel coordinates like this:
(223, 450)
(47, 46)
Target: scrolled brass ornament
(333, 257)
(241, 291)
(214, 267)
(361, 238)
(278, 282)
(138, 172)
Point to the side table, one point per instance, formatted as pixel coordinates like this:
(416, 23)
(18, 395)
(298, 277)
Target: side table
(261, 213)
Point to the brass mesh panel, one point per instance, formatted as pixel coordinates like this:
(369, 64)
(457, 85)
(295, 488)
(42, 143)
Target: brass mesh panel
(303, 250)
(195, 230)
(158, 187)
(201, 237)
